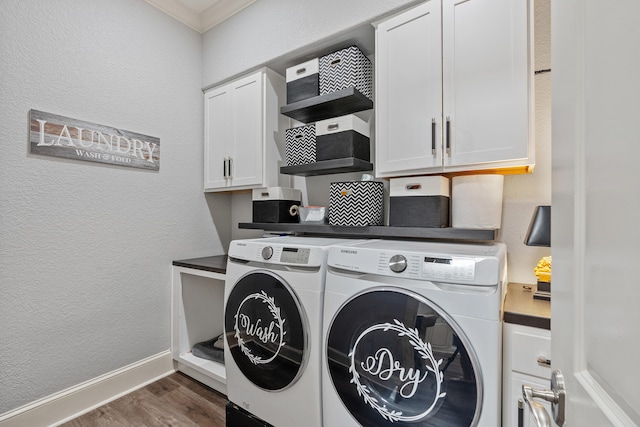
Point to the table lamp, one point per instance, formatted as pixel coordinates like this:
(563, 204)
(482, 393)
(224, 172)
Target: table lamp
(539, 234)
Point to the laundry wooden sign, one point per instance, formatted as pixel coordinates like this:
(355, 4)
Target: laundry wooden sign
(58, 136)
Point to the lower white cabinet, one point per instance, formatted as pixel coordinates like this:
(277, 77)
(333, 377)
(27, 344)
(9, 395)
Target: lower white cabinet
(524, 351)
(197, 315)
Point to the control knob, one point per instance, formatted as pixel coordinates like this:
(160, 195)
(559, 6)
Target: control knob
(267, 252)
(398, 263)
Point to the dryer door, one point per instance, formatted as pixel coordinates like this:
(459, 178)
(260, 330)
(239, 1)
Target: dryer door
(266, 330)
(395, 358)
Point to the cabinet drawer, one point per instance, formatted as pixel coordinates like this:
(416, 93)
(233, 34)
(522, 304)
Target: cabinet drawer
(527, 347)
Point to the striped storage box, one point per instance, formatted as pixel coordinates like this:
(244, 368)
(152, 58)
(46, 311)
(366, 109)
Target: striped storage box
(356, 203)
(346, 68)
(300, 145)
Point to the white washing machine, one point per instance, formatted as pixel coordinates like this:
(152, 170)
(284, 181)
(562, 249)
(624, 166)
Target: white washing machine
(412, 334)
(273, 324)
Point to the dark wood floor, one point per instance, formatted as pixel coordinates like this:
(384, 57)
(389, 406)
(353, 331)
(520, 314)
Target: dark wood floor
(176, 400)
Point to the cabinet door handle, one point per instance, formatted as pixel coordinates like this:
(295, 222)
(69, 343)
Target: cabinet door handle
(520, 413)
(433, 137)
(230, 164)
(448, 135)
(224, 168)
(543, 361)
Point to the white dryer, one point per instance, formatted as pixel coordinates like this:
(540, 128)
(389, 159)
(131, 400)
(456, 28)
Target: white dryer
(273, 324)
(412, 334)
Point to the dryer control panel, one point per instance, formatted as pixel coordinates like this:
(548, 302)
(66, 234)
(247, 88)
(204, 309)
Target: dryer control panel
(463, 269)
(464, 264)
(430, 268)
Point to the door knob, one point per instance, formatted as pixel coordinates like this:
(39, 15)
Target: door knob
(556, 396)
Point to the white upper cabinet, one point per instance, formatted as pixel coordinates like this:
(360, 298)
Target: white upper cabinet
(453, 88)
(409, 91)
(243, 132)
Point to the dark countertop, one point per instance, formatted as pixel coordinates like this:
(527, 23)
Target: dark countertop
(521, 308)
(215, 264)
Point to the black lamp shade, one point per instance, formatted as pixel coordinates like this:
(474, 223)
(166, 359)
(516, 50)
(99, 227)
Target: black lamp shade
(539, 233)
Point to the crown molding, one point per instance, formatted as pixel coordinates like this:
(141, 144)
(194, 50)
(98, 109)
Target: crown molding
(205, 20)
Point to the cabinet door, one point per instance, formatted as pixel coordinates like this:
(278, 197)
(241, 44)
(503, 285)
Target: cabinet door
(409, 91)
(217, 136)
(246, 152)
(486, 75)
(523, 346)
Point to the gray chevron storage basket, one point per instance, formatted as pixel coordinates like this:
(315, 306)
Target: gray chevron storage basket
(346, 68)
(356, 203)
(300, 145)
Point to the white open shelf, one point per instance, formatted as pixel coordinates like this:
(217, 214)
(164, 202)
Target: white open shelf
(208, 367)
(197, 315)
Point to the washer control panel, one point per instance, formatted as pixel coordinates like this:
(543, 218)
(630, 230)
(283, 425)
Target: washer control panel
(398, 263)
(295, 255)
(278, 254)
(267, 252)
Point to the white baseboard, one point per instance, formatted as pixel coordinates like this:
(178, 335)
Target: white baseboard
(75, 401)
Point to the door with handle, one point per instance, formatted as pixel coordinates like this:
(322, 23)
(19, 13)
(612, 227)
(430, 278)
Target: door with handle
(595, 197)
(556, 396)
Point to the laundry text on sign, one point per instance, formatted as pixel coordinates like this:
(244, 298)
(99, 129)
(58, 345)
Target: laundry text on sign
(59, 136)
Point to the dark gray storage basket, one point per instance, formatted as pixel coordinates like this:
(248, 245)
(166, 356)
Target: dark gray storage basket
(419, 211)
(303, 81)
(419, 201)
(275, 204)
(356, 203)
(343, 144)
(341, 137)
(346, 68)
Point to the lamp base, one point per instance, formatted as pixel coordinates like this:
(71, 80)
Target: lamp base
(543, 292)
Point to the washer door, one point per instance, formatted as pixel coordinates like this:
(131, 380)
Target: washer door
(395, 358)
(266, 330)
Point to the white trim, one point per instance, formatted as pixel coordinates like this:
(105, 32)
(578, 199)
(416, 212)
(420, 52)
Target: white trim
(77, 400)
(603, 400)
(204, 20)
(179, 12)
(221, 11)
(579, 201)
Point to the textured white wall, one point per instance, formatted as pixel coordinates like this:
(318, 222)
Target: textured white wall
(86, 249)
(270, 29)
(522, 193)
